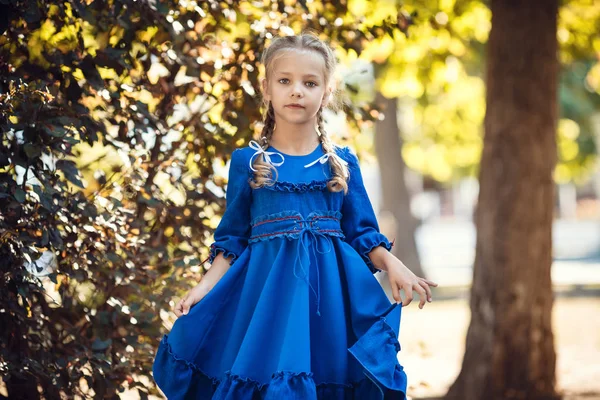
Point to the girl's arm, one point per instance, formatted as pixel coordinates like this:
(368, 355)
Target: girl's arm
(213, 275)
(360, 226)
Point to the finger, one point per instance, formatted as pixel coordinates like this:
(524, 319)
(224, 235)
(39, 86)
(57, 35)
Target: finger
(396, 292)
(430, 283)
(427, 290)
(178, 308)
(186, 305)
(409, 295)
(422, 294)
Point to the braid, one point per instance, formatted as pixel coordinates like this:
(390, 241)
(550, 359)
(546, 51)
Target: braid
(339, 170)
(263, 174)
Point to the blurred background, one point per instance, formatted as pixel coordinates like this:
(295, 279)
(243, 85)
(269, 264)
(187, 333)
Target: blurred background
(118, 118)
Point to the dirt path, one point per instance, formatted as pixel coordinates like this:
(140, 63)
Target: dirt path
(433, 341)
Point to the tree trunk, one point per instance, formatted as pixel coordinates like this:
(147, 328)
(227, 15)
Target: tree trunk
(395, 196)
(510, 345)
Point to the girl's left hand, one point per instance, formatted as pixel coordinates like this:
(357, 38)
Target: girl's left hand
(402, 278)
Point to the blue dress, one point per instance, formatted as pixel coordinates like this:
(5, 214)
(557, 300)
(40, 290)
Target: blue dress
(299, 314)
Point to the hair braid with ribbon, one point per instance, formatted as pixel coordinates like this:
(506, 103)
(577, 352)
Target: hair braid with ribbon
(264, 171)
(339, 170)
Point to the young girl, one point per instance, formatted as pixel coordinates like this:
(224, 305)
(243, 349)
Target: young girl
(290, 308)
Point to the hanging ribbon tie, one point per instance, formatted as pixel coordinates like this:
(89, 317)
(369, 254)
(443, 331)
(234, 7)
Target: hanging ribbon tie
(324, 158)
(266, 155)
(301, 244)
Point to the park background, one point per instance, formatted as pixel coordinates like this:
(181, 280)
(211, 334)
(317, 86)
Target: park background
(118, 118)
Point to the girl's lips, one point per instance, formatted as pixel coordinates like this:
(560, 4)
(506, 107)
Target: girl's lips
(294, 106)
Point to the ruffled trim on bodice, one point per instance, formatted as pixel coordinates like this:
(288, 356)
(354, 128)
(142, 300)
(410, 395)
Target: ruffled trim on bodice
(299, 187)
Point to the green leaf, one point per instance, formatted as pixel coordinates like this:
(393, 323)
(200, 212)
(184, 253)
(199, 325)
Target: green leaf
(101, 345)
(20, 195)
(32, 151)
(70, 170)
(56, 131)
(45, 238)
(52, 277)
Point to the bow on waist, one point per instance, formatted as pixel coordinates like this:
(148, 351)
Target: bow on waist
(295, 226)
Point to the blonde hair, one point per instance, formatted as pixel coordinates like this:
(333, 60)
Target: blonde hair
(264, 171)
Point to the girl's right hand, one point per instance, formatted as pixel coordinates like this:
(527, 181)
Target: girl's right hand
(195, 294)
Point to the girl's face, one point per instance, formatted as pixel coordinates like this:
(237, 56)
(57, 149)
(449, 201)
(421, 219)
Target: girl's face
(296, 86)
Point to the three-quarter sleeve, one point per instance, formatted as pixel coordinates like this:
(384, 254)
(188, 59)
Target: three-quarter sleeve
(231, 235)
(359, 222)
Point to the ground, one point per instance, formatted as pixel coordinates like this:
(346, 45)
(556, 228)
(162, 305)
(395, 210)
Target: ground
(433, 341)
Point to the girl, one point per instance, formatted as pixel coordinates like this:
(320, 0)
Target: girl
(290, 308)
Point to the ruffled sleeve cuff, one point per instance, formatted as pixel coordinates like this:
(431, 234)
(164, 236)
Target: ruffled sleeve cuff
(228, 250)
(365, 243)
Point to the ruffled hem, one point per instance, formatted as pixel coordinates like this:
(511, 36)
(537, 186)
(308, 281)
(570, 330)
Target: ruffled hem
(182, 379)
(214, 250)
(377, 351)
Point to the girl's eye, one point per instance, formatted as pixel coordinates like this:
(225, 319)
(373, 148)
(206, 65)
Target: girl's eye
(311, 84)
(284, 80)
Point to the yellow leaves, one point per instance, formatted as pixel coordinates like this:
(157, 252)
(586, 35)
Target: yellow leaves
(219, 88)
(93, 40)
(147, 34)
(116, 34)
(241, 29)
(147, 98)
(66, 39)
(358, 7)
(107, 73)
(46, 31)
(568, 132)
(215, 113)
(78, 74)
(572, 166)
(474, 22)
(578, 29)
(447, 5)
(593, 77)
(379, 50)
(562, 174)
(429, 161)
(439, 160)
(37, 40)
(401, 82)
(568, 129)
(53, 10)
(157, 71)
(374, 12)
(47, 39)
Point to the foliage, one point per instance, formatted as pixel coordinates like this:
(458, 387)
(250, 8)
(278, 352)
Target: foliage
(116, 118)
(437, 71)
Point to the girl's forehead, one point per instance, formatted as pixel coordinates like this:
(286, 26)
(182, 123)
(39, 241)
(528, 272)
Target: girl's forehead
(299, 61)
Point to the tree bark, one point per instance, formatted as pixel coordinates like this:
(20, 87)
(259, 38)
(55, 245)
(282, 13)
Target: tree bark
(510, 345)
(395, 196)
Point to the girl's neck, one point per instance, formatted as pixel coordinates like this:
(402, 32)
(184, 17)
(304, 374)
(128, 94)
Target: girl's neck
(295, 139)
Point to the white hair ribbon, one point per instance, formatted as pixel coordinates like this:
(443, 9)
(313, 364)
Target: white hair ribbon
(266, 155)
(324, 158)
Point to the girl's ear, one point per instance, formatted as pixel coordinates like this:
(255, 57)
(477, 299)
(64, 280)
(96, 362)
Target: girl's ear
(265, 89)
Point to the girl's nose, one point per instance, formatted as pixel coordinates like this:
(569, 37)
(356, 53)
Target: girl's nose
(297, 91)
